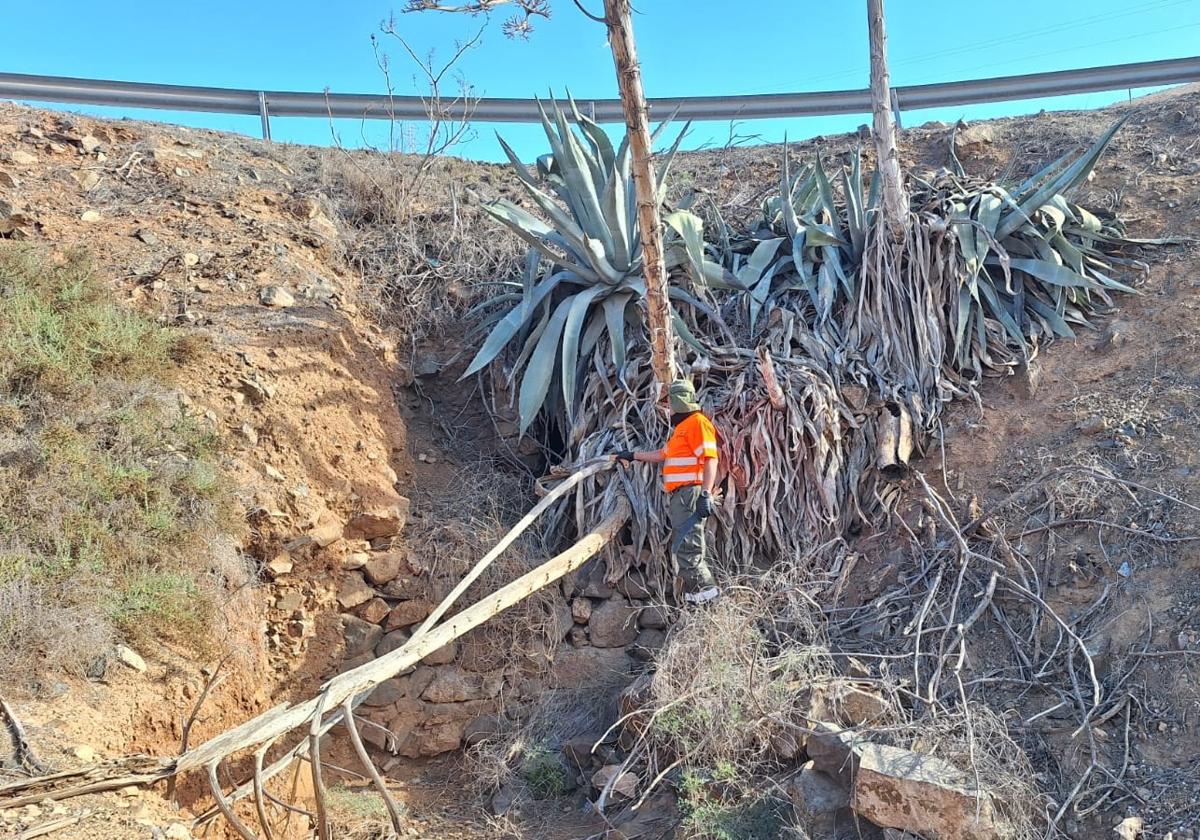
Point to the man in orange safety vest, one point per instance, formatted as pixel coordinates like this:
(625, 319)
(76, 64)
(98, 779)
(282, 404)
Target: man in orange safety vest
(689, 475)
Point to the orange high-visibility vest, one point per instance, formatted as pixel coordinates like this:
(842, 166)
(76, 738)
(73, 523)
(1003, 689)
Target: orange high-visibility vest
(692, 441)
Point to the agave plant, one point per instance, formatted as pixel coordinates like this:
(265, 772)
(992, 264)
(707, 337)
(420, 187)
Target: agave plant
(807, 241)
(583, 274)
(1033, 263)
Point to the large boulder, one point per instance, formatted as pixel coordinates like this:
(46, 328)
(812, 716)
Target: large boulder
(898, 788)
(613, 624)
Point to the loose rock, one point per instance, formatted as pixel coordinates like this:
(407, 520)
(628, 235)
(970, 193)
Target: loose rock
(354, 591)
(897, 788)
(406, 614)
(276, 297)
(383, 521)
(129, 658)
(624, 784)
(816, 799)
(391, 641)
(382, 568)
(613, 624)
(361, 636)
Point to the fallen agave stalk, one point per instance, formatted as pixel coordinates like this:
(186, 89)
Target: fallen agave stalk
(336, 702)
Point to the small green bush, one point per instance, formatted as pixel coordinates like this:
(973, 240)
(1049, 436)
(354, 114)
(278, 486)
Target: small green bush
(735, 815)
(543, 773)
(110, 493)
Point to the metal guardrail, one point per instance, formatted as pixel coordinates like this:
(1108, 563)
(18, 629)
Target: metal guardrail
(747, 107)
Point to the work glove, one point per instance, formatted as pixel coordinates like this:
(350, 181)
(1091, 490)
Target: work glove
(625, 455)
(704, 505)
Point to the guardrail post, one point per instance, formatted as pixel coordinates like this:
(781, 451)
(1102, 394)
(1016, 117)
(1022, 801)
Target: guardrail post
(264, 115)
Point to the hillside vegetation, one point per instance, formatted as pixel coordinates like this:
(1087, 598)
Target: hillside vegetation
(110, 492)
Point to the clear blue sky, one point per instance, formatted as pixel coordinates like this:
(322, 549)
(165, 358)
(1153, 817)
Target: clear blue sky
(688, 47)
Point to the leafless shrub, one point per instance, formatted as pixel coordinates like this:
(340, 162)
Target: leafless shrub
(37, 626)
(975, 739)
(728, 688)
(462, 522)
(416, 234)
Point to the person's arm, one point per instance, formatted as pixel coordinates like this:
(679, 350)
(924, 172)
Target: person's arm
(653, 456)
(709, 481)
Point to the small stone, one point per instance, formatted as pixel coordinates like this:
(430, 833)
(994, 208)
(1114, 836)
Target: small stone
(86, 179)
(190, 259)
(273, 473)
(327, 533)
(90, 216)
(355, 560)
(581, 610)
(289, 601)
(361, 636)
(22, 158)
(7, 180)
(381, 521)
(623, 784)
(276, 297)
(84, 753)
(129, 658)
(89, 143)
(177, 831)
(280, 564)
(149, 237)
(383, 568)
(354, 591)
(1130, 828)
(374, 610)
(130, 792)
(1093, 425)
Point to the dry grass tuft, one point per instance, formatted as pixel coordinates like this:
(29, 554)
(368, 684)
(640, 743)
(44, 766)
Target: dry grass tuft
(975, 738)
(110, 493)
(422, 246)
(358, 814)
(729, 685)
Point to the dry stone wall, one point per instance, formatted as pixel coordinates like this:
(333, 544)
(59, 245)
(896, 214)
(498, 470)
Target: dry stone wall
(598, 634)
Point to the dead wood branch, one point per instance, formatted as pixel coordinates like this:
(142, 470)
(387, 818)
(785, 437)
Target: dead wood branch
(23, 753)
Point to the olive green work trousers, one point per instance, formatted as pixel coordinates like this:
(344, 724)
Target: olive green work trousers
(690, 556)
